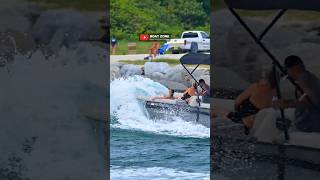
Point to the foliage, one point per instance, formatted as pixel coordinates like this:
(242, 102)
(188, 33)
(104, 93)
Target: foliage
(129, 18)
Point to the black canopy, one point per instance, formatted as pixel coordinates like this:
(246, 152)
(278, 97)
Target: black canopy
(195, 58)
(274, 4)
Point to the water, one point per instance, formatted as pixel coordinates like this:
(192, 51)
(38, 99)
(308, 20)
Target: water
(142, 148)
(44, 103)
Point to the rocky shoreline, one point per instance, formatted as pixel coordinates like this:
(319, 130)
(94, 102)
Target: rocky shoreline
(33, 28)
(172, 77)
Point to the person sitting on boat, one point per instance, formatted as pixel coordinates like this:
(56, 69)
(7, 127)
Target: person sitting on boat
(307, 112)
(257, 96)
(191, 91)
(168, 96)
(205, 93)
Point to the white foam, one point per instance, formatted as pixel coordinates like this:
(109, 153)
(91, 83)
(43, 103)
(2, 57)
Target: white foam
(131, 113)
(156, 173)
(44, 98)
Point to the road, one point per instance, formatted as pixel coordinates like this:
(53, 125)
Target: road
(133, 57)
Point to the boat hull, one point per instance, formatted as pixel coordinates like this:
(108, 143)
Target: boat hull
(237, 156)
(165, 111)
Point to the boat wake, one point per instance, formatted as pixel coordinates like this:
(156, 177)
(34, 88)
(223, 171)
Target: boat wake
(131, 114)
(144, 173)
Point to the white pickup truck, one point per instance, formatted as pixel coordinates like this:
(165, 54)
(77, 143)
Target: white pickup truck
(200, 38)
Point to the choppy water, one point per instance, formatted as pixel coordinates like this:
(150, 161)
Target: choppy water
(142, 148)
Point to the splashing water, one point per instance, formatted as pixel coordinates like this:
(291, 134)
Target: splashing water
(43, 98)
(131, 113)
(157, 173)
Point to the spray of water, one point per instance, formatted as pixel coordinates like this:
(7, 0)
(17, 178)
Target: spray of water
(157, 173)
(131, 113)
(41, 99)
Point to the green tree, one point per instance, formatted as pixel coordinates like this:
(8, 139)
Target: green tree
(129, 18)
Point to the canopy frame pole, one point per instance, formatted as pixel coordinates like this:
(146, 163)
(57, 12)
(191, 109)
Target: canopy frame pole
(273, 22)
(283, 118)
(263, 47)
(190, 73)
(198, 84)
(274, 60)
(195, 68)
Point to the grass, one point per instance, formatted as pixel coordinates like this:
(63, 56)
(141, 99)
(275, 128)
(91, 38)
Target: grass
(86, 5)
(141, 48)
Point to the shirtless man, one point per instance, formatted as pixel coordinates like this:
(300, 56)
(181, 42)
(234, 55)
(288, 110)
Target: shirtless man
(256, 97)
(191, 91)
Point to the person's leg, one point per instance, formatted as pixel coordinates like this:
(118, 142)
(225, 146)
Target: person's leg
(219, 112)
(113, 50)
(248, 121)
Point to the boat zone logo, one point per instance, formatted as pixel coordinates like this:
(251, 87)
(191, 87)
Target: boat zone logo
(154, 37)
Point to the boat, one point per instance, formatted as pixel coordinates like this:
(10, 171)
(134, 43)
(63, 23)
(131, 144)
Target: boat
(168, 109)
(293, 155)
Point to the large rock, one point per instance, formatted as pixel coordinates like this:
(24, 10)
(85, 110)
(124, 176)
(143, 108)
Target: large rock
(160, 67)
(223, 20)
(225, 79)
(17, 42)
(177, 74)
(14, 17)
(243, 55)
(129, 70)
(157, 75)
(57, 28)
(114, 72)
(15, 27)
(234, 47)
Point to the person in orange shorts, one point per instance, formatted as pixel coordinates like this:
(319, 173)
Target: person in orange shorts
(191, 91)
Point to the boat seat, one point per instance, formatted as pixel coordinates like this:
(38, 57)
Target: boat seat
(193, 102)
(265, 130)
(169, 101)
(205, 105)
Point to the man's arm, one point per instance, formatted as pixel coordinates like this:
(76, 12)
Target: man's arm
(244, 95)
(308, 98)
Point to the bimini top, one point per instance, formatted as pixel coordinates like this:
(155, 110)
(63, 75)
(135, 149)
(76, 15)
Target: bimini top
(274, 4)
(195, 58)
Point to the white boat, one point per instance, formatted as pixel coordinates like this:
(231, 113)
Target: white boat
(265, 154)
(257, 155)
(169, 109)
(194, 111)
